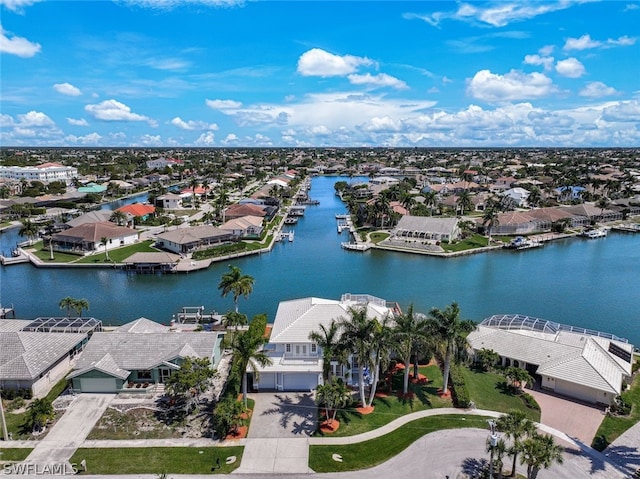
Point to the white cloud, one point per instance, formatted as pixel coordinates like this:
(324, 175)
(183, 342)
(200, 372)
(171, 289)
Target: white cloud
(171, 4)
(206, 139)
(17, 45)
(597, 89)
(583, 43)
(67, 89)
(231, 139)
(631, 6)
(151, 140)
(317, 62)
(319, 130)
(168, 64)
(113, 110)
(571, 68)
(623, 41)
(17, 5)
(89, 139)
(35, 118)
(624, 111)
(514, 85)
(193, 125)
(223, 104)
(380, 80)
(80, 122)
(546, 62)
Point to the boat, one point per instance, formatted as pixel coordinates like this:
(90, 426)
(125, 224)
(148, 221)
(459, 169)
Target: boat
(595, 233)
(355, 246)
(290, 220)
(341, 217)
(290, 235)
(520, 242)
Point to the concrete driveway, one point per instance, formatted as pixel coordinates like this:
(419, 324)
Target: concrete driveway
(577, 420)
(283, 415)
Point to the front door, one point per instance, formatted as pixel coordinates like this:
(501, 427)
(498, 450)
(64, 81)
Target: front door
(164, 374)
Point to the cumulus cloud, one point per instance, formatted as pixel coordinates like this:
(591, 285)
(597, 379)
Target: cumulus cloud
(206, 139)
(319, 130)
(193, 125)
(17, 45)
(231, 139)
(546, 62)
(597, 89)
(585, 42)
(151, 140)
(376, 81)
(80, 122)
(223, 104)
(90, 139)
(624, 111)
(17, 5)
(67, 89)
(318, 62)
(515, 85)
(35, 118)
(113, 110)
(571, 68)
(33, 127)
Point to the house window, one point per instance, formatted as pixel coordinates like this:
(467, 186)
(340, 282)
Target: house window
(287, 348)
(144, 374)
(314, 348)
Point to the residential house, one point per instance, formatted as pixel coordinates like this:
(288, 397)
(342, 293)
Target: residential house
(169, 201)
(427, 228)
(518, 195)
(245, 227)
(188, 240)
(86, 238)
(139, 353)
(296, 360)
(89, 217)
(581, 364)
(137, 211)
(238, 211)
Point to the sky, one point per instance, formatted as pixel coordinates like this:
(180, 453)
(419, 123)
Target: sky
(227, 73)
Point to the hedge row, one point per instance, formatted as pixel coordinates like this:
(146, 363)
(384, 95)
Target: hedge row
(459, 389)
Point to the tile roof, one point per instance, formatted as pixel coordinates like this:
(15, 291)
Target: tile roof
(138, 209)
(13, 325)
(192, 234)
(94, 232)
(237, 211)
(242, 223)
(143, 325)
(90, 217)
(427, 224)
(26, 355)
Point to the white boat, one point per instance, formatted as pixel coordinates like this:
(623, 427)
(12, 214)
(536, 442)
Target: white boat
(595, 233)
(290, 235)
(520, 242)
(356, 246)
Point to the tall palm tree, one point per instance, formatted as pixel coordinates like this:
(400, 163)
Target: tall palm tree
(540, 452)
(237, 283)
(447, 326)
(409, 329)
(247, 351)
(490, 220)
(327, 339)
(464, 202)
(358, 331)
(516, 426)
(80, 305)
(380, 353)
(104, 241)
(118, 217)
(28, 229)
(431, 200)
(68, 304)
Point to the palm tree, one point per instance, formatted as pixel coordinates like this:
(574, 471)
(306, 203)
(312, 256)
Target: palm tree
(327, 341)
(28, 229)
(490, 220)
(447, 326)
(68, 304)
(431, 200)
(357, 337)
(516, 426)
(333, 395)
(118, 217)
(104, 241)
(237, 283)
(409, 329)
(79, 305)
(234, 319)
(464, 202)
(540, 452)
(535, 197)
(381, 352)
(247, 351)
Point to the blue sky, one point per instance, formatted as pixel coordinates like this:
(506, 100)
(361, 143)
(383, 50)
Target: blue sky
(207, 73)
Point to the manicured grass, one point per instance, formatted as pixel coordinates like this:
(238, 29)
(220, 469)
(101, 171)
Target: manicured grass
(475, 241)
(376, 451)
(117, 255)
(14, 454)
(58, 257)
(158, 460)
(489, 391)
(392, 407)
(613, 426)
(377, 237)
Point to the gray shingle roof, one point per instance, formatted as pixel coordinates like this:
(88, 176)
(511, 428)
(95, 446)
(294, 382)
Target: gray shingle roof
(142, 325)
(427, 224)
(26, 355)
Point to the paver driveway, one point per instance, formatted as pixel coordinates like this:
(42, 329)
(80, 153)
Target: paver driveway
(283, 415)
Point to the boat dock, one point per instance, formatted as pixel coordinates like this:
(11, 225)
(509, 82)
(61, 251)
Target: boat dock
(284, 235)
(627, 228)
(6, 312)
(196, 315)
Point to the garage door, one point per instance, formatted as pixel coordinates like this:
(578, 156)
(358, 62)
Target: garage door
(96, 385)
(267, 381)
(300, 382)
(577, 391)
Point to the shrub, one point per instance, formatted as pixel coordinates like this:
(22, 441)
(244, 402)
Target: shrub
(530, 401)
(459, 389)
(17, 403)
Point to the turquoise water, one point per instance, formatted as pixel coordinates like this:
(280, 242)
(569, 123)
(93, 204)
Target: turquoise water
(588, 283)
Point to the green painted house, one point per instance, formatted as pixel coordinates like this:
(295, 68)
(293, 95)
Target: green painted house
(138, 356)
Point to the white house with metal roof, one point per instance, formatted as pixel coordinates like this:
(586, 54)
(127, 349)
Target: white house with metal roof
(583, 364)
(296, 360)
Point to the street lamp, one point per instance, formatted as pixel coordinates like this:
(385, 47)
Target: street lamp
(492, 440)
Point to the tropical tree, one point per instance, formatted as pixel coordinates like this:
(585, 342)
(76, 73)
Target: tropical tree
(68, 304)
(39, 413)
(104, 241)
(358, 331)
(490, 220)
(228, 416)
(464, 202)
(380, 354)
(28, 229)
(118, 217)
(80, 305)
(535, 197)
(191, 380)
(247, 351)
(516, 426)
(234, 319)
(333, 395)
(236, 283)
(447, 326)
(518, 377)
(540, 452)
(409, 330)
(431, 200)
(487, 358)
(327, 339)
(193, 184)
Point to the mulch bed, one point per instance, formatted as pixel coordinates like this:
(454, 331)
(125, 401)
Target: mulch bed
(240, 433)
(365, 410)
(329, 427)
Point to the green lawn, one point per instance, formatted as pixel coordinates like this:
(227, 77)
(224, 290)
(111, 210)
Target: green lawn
(117, 255)
(612, 426)
(158, 460)
(475, 241)
(376, 451)
(14, 454)
(392, 407)
(377, 237)
(488, 390)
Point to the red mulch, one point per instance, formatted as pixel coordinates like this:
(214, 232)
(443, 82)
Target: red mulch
(444, 394)
(246, 414)
(239, 434)
(399, 366)
(381, 394)
(422, 379)
(365, 410)
(329, 427)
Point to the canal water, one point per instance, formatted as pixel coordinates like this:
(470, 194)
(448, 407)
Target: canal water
(589, 283)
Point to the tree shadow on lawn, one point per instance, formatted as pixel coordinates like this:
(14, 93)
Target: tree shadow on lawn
(507, 389)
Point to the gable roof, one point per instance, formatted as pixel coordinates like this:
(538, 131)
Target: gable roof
(245, 210)
(90, 217)
(93, 232)
(106, 365)
(26, 355)
(138, 209)
(242, 223)
(427, 224)
(142, 325)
